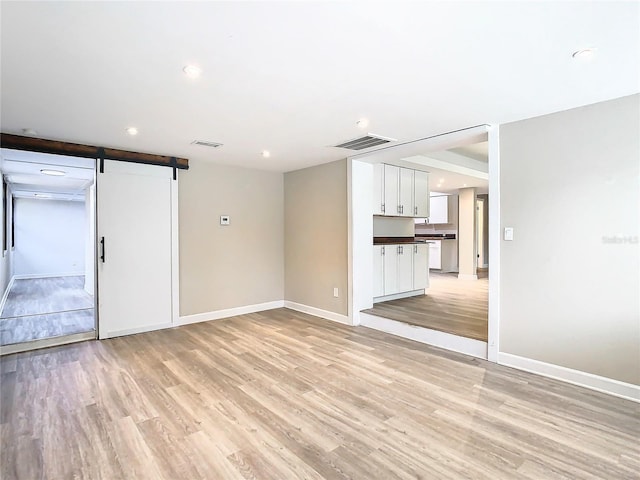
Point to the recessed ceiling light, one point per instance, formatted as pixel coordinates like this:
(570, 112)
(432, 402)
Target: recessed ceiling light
(29, 131)
(464, 184)
(132, 131)
(362, 123)
(584, 53)
(266, 153)
(54, 173)
(41, 195)
(192, 71)
(441, 180)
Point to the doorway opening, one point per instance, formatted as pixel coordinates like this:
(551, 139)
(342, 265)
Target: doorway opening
(453, 310)
(48, 269)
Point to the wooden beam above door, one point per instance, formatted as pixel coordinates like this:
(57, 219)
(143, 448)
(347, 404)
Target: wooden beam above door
(57, 147)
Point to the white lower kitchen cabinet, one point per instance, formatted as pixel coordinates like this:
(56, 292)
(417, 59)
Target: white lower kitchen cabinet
(435, 258)
(405, 268)
(420, 267)
(390, 274)
(443, 255)
(399, 270)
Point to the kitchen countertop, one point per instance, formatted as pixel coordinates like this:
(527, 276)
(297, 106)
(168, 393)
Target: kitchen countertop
(399, 240)
(436, 236)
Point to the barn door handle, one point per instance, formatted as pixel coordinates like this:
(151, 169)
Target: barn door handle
(102, 249)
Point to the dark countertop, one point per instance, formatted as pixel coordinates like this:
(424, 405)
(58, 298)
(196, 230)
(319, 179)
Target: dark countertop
(398, 240)
(437, 236)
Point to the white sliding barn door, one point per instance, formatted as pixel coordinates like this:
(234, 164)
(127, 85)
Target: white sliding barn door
(137, 255)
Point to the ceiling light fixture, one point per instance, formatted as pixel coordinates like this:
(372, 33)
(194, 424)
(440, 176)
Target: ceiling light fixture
(266, 153)
(192, 71)
(53, 173)
(132, 131)
(362, 123)
(584, 53)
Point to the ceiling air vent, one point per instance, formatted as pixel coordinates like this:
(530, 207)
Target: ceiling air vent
(206, 144)
(368, 141)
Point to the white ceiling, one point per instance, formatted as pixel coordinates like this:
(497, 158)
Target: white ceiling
(22, 171)
(294, 77)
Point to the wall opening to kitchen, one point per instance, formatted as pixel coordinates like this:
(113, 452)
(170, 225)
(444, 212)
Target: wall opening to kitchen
(453, 310)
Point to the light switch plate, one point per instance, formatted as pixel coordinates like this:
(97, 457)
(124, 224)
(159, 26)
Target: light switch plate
(508, 234)
(225, 220)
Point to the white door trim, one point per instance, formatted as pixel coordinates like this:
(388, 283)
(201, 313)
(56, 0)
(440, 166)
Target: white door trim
(493, 339)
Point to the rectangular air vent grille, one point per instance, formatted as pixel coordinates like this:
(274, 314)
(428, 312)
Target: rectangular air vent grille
(206, 144)
(368, 141)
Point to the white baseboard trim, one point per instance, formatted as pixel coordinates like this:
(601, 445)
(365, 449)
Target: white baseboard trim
(5, 295)
(133, 331)
(48, 275)
(396, 296)
(575, 377)
(466, 276)
(468, 346)
(228, 312)
(317, 312)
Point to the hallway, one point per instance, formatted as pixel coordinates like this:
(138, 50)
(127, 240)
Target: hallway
(38, 308)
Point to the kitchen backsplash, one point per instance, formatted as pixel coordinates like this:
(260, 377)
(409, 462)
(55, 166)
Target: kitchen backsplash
(426, 228)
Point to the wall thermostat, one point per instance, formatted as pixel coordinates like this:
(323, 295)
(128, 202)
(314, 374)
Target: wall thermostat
(225, 220)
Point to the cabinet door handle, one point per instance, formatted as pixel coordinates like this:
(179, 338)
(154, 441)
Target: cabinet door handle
(382, 251)
(415, 210)
(383, 208)
(415, 249)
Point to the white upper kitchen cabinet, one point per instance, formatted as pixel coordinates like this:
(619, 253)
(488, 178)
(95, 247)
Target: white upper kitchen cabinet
(405, 192)
(439, 206)
(400, 191)
(378, 270)
(421, 194)
(391, 187)
(378, 189)
(420, 266)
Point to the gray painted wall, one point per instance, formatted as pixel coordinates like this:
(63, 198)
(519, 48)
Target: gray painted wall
(316, 257)
(569, 184)
(236, 265)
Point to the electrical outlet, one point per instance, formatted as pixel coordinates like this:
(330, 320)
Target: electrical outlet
(225, 219)
(335, 292)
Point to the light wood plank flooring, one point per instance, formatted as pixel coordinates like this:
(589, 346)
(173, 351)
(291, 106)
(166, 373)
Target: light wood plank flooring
(283, 395)
(459, 307)
(38, 308)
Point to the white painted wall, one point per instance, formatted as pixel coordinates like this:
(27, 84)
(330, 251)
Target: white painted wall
(50, 237)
